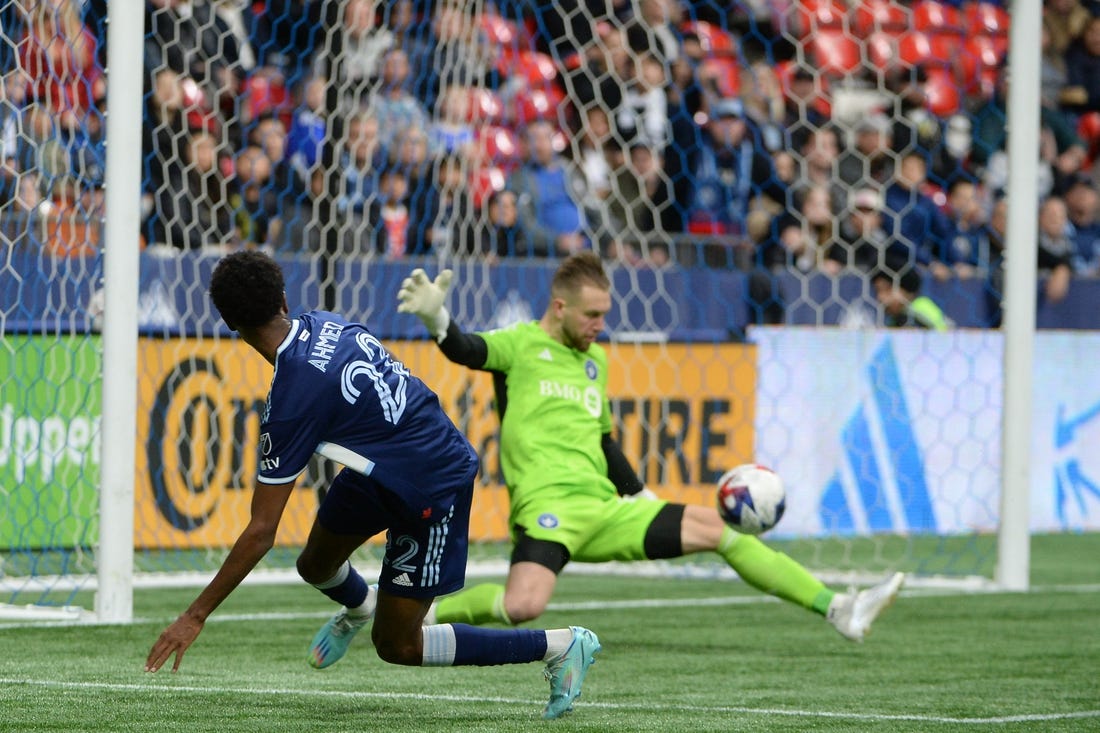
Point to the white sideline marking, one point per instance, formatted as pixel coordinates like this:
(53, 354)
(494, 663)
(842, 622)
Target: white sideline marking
(577, 606)
(568, 606)
(671, 708)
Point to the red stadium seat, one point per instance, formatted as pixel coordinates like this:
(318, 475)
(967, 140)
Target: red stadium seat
(932, 17)
(499, 31)
(499, 146)
(484, 105)
(985, 19)
(979, 63)
(714, 40)
(835, 53)
(538, 104)
(882, 49)
(484, 181)
(914, 48)
(538, 69)
(873, 16)
(820, 15)
(726, 73)
(946, 49)
(1000, 43)
(944, 98)
(508, 37)
(918, 48)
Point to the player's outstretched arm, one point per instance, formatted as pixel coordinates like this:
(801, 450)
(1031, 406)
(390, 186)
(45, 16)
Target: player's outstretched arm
(257, 538)
(424, 299)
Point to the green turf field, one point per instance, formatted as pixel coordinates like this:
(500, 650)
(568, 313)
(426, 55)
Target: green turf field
(679, 655)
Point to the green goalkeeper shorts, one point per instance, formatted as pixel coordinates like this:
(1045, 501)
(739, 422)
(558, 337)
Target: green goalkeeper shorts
(592, 529)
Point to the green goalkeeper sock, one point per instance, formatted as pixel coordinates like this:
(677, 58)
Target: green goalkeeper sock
(773, 572)
(481, 604)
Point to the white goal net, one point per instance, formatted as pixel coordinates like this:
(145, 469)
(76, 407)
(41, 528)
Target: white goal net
(738, 166)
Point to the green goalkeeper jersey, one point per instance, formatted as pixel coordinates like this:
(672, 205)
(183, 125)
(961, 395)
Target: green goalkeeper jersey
(556, 415)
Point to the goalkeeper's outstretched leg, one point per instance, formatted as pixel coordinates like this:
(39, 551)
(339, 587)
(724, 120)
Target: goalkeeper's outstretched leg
(777, 574)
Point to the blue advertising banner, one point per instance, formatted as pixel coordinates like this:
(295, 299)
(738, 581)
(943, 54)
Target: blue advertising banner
(900, 431)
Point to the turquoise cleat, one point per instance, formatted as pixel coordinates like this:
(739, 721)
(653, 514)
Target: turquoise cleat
(566, 673)
(331, 642)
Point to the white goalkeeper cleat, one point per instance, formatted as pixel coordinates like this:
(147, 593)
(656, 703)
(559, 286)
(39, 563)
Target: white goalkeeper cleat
(853, 613)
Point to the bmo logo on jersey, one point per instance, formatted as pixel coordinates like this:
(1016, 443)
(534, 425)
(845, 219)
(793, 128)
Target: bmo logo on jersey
(589, 397)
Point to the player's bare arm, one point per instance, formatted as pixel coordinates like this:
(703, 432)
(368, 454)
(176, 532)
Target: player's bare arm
(268, 503)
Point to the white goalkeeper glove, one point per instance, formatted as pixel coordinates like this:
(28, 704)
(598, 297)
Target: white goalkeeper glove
(424, 299)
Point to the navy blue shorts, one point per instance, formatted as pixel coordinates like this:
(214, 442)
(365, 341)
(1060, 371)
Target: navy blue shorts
(425, 555)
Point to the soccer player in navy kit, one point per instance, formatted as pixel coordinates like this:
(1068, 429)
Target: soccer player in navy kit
(408, 470)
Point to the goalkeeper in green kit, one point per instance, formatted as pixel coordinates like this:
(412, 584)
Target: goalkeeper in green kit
(574, 495)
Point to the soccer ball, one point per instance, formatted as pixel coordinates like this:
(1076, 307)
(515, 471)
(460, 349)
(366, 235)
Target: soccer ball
(751, 498)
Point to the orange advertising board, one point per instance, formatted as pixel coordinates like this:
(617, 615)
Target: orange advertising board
(684, 414)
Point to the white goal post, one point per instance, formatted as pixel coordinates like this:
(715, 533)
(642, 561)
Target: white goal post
(1013, 551)
(115, 570)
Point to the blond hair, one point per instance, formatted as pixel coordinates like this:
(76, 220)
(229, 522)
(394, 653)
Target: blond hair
(582, 268)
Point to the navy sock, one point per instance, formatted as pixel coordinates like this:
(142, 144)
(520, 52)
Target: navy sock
(483, 647)
(347, 587)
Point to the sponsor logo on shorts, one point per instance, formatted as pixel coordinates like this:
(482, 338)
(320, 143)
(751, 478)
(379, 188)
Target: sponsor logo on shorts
(548, 521)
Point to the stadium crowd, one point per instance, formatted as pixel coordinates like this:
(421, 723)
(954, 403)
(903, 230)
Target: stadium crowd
(778, 136)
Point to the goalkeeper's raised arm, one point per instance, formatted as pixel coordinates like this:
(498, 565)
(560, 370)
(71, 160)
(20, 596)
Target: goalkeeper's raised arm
(424, 299)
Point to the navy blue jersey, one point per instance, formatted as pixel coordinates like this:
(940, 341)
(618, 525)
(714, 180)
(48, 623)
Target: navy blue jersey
(338, 392)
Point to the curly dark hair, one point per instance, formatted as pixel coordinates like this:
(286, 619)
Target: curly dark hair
(247, 289)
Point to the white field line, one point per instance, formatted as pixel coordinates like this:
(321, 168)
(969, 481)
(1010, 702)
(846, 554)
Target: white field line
(9, 682)
(596, 605)
(478, 569)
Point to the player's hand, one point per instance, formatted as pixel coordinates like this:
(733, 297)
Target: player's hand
(424, 299)
(174, 640)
